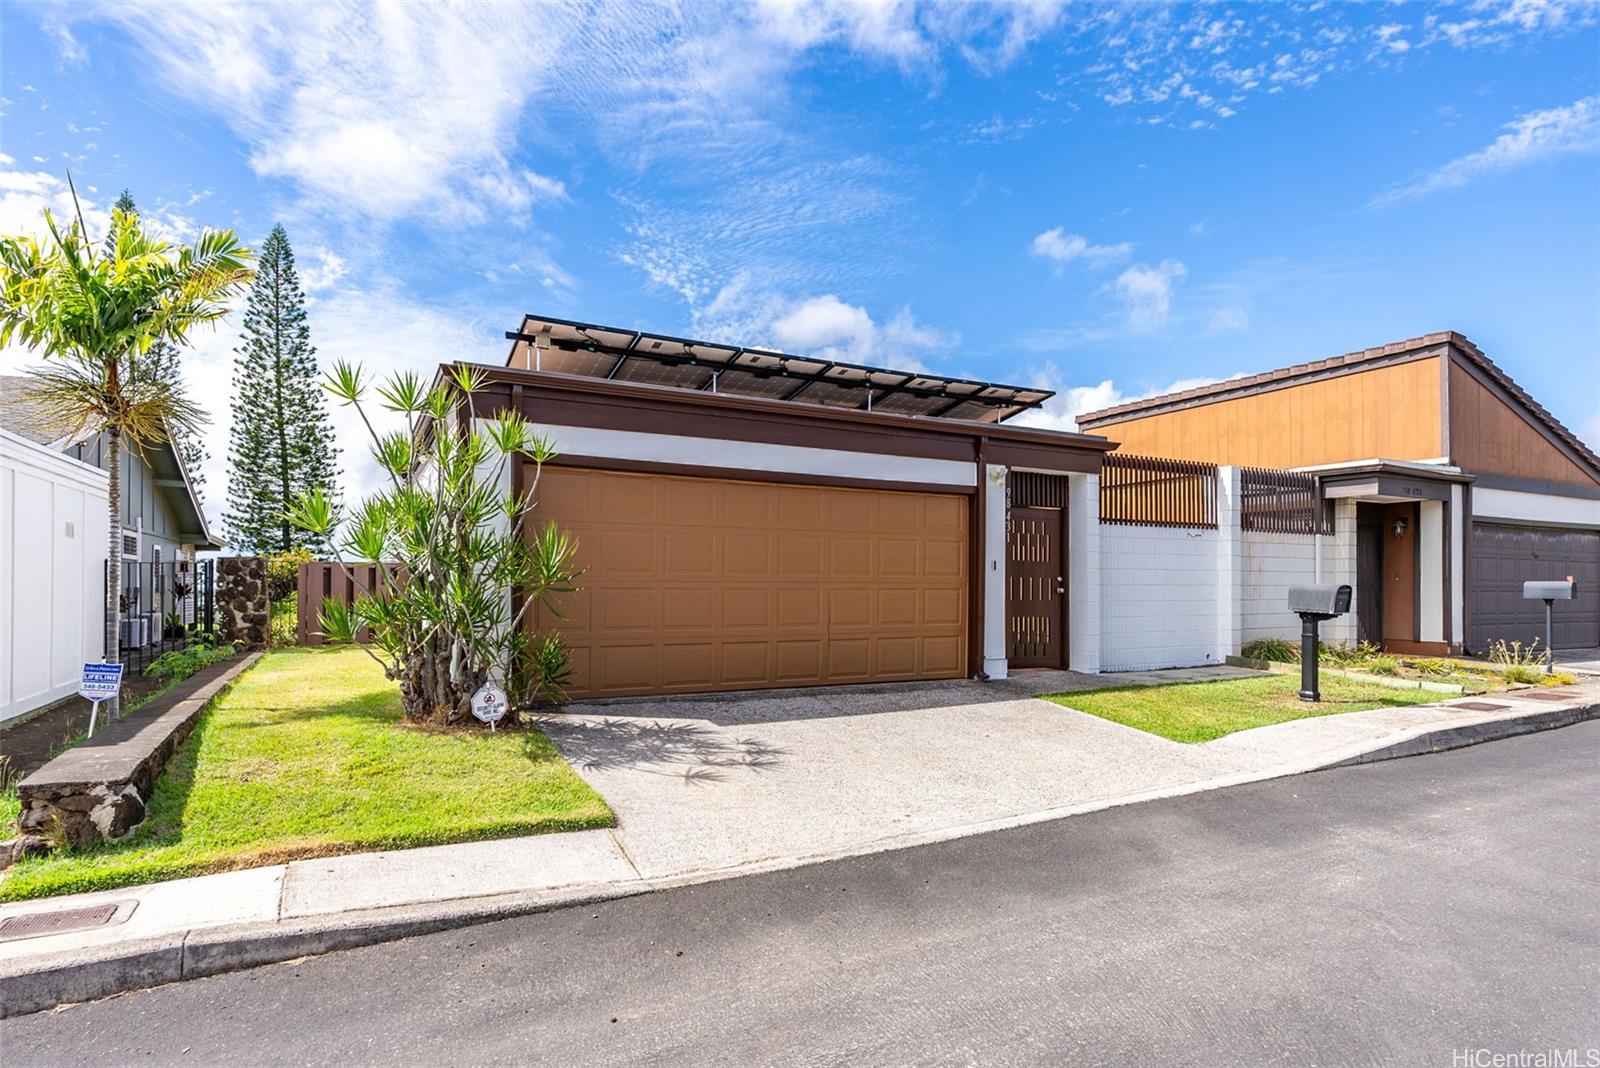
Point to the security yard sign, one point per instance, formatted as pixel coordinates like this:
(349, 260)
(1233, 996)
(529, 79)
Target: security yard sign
(489, 704)
(100, 683)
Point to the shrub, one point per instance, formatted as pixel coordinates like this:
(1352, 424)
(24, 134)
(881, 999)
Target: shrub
(1383, 664)
(1430, 665)
(283, 573)
(1281, 650)
(284, 628)
(181, 663)
(1517, 664)
(448, 545)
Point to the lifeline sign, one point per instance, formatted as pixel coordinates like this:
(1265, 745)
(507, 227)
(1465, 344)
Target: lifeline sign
(100, 681)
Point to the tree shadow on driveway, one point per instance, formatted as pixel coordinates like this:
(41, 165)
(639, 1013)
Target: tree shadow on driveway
(688, 751)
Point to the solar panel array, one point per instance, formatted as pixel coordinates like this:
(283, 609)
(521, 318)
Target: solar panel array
(608, 352)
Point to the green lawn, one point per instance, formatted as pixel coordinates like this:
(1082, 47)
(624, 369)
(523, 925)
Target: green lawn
(1201, 711)
(305, 756)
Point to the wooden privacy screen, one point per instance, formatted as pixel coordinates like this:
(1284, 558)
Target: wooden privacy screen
(1281, 502)
(1151, 492)
(321, 579)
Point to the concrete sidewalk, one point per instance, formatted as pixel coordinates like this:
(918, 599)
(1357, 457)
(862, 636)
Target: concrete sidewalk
(716, 787)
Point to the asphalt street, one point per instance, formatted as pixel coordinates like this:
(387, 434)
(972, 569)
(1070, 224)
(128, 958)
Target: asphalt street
(1408, 912)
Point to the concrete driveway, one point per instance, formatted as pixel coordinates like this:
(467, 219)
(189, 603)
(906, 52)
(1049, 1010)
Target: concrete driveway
(704, 783)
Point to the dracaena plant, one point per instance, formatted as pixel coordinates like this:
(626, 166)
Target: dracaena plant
(450, 543)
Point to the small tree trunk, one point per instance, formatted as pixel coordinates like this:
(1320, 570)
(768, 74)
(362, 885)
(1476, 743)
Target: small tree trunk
(113, 651)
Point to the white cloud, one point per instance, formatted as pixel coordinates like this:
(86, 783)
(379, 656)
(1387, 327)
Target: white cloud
(823, 325)
(25, 194)
(1146, 293)
(1536, 137)
(1061, 412)
(1062, 248)
(329, 95)
(1228, 320)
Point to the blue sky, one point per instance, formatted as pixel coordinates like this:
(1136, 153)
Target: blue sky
(1105, 199)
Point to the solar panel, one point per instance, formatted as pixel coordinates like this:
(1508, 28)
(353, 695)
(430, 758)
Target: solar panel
(593, 351)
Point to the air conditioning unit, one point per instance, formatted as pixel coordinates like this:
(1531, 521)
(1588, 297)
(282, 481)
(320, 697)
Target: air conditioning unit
(136, 632)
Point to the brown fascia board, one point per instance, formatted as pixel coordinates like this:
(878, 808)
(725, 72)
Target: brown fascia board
(668, 396)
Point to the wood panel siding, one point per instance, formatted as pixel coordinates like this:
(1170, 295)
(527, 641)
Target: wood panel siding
(1488, 435)
(1393, 411)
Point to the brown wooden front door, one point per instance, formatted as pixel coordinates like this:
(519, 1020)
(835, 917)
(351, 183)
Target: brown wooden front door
(1036, 584)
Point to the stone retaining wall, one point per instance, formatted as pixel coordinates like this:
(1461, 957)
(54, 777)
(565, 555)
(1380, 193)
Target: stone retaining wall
(97, 790)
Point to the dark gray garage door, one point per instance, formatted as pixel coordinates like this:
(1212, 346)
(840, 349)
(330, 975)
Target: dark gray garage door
(1504, 557)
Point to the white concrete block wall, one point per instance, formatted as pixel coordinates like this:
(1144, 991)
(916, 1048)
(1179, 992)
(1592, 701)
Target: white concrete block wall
(1274, 562)
(1159, 597)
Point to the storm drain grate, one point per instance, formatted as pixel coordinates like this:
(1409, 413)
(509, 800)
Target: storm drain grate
(59, 922)
(1478, 706)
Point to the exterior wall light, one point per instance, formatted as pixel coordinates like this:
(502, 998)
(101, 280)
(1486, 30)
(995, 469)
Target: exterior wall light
(1400, 527)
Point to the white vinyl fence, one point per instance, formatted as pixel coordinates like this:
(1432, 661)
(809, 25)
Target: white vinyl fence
(52, 572)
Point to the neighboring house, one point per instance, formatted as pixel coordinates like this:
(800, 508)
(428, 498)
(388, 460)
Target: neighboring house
(163, 522)
(1457, 485)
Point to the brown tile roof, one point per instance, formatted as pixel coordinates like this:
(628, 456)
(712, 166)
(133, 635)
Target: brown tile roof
(1254, 383)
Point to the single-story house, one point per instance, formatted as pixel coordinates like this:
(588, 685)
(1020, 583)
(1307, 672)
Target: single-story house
(751, 519)
(1457, 484)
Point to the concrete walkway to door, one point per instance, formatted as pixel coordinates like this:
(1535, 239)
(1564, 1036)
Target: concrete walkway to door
(714, 782)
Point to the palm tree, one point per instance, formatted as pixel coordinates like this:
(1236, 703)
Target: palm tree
(94, 315)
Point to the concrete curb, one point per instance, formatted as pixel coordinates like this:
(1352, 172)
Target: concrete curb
(1443, 739)
(43, 983)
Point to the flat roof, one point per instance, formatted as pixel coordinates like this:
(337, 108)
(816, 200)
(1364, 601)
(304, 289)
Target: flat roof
(618, 354)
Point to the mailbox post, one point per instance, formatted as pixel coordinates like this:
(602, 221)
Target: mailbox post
(1313, 604)
(1550, 592)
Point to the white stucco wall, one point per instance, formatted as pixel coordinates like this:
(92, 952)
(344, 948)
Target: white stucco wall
(1159, 595)
(53, 514)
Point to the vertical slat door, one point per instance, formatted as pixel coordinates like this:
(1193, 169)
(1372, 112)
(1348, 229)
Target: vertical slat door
(1035, 585)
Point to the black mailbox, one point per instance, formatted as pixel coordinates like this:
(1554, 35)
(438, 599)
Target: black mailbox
(1313, 604)
(1549, 591)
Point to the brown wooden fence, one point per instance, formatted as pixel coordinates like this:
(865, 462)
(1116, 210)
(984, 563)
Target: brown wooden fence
(1281, 502)
(321, 579)
(1152, 492)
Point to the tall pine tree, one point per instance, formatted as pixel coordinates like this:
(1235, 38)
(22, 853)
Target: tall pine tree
(162, 360)
(282, 438)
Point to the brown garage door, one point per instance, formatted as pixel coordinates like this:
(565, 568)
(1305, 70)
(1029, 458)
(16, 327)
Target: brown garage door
(698, 584)
(1504, 557)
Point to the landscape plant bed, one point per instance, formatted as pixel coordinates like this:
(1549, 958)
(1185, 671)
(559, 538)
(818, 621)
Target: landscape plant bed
(1202, 711)
(306, 756)
(1517, 667)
